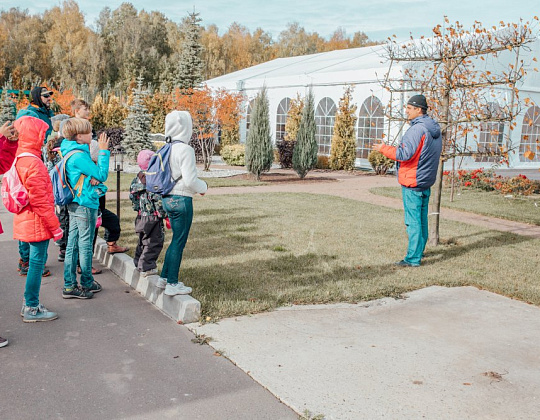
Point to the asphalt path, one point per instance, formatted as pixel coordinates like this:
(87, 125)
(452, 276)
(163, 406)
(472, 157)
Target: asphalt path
(113, 357)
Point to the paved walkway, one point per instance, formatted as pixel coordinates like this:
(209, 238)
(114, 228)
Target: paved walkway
(112, 357)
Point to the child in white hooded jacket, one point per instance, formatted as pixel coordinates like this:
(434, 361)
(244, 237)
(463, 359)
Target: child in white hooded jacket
(179, 202)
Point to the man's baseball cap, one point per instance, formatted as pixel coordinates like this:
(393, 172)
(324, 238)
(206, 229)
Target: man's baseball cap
(418, 101)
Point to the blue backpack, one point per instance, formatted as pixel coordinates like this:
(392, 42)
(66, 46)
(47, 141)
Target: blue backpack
(159, 178)
(63, 193)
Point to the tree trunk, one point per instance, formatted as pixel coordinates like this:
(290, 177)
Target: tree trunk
(437, 188)
(436, 206)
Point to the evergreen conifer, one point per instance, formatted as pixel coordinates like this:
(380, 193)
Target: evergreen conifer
(137, 124)
(190, 68)
(259, 148)
(305, 150)
(343, 151)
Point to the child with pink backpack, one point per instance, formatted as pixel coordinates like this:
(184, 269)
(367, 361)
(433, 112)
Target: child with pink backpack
(36, 223)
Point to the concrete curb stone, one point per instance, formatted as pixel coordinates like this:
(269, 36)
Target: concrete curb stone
(181, 308)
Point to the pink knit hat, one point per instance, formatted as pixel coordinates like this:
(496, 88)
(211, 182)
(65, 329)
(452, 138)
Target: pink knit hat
(143, 158)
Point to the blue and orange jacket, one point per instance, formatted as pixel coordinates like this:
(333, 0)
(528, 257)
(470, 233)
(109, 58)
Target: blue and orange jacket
(418, 153)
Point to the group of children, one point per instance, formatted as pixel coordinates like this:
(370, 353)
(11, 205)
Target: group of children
(74, 226)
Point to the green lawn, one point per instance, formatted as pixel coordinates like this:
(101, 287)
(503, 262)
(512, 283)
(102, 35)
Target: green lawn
(126, 178)
(255, 252)
(482, 202)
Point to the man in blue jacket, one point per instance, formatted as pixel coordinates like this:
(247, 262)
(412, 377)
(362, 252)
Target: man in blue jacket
(40, 107)
(417, 156)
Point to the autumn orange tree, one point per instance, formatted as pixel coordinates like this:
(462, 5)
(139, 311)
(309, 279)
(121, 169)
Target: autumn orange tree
(462, 72)
(228, 109)
(62, 100)
(209, 111)
(199, 103)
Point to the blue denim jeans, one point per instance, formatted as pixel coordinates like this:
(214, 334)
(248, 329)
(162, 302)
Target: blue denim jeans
(416, 205)
(37, 259)
(180, 211)
(82, 224)
(24, 251)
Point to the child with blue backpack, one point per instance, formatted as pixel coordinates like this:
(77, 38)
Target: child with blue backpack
(178, 201)
(86, 178)
(149, 220)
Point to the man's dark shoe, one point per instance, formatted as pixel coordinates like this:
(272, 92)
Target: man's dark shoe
(76, 293)
(404, 263)
(62, 256)
(95, 287)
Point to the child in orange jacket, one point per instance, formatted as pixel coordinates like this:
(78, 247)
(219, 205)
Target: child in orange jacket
(36, 223)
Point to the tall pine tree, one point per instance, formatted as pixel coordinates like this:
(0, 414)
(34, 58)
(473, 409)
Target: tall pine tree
(343, 152)
(259, 148)
(190, 68)
(137, 124)
(305, 150)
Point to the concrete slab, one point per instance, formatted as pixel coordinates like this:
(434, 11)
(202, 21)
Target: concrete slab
(180, 308)
(458, 353)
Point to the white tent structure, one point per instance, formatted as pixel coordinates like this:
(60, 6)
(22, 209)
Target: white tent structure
(330, 72)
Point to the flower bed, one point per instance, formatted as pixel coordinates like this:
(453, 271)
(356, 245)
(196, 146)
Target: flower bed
(487, 180)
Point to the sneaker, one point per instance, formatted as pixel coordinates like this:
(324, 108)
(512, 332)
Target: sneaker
(94, 287)
(62, 256)
(38, 313)
(404, 263)
(22, 264)
(151, 272)
(76, 292)
(161, 283)
(24, 271)
(177, 289)
(24, 306)
(3, 342)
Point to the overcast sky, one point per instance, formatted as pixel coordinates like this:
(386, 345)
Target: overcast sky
(378, 18)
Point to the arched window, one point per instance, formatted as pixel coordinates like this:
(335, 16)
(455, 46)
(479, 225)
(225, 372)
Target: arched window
(325, 116)
(248, 116)
(281, 118)
(491, 134)
(530, 135)
(370, 126)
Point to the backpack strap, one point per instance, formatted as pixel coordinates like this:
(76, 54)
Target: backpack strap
(81, 179)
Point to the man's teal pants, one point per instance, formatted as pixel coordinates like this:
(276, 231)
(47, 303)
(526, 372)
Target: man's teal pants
(416, 204)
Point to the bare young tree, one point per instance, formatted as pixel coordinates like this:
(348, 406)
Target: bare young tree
(471, 79)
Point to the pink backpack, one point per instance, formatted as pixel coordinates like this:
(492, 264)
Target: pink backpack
(14, 194)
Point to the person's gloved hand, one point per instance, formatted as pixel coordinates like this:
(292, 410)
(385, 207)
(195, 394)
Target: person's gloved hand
(57, 234)
(167, 223)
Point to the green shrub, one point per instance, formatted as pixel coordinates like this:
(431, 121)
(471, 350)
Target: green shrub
(379, 162)
(234, 155)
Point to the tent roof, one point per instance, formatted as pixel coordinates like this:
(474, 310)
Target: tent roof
(333, 67)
